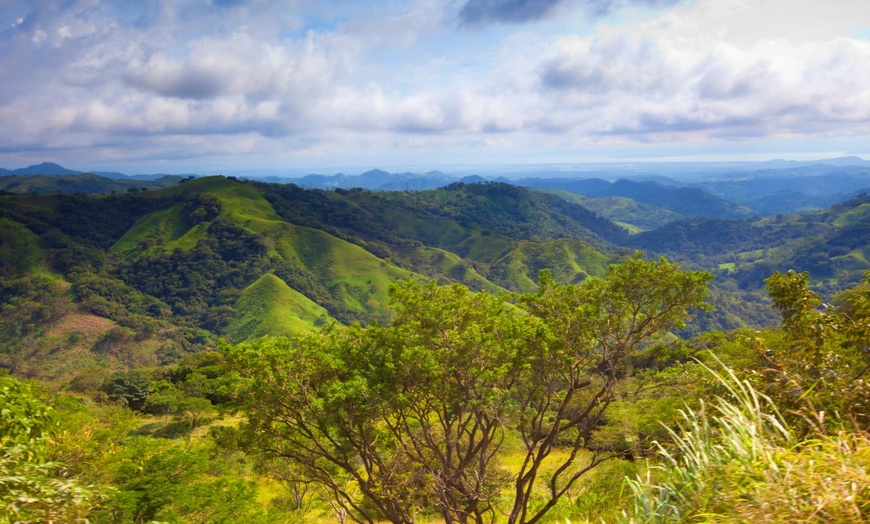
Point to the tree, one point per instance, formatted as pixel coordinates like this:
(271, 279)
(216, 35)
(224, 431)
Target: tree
(568, 387)
(129, 387)
(308, 401)
(814, 365)
(174, 481)
(400, 419)
(454, 361)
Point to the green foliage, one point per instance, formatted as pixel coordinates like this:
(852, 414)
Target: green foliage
(594, 328)
(33, 489)
(816, 365)
(20, 252)
(171, 481)
(111, 298)
(130, 388)
(25, 304)
(737, 460)
(400, 419)
(191, 281)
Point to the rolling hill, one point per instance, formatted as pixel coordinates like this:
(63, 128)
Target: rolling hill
(147, 277)
(138, 278)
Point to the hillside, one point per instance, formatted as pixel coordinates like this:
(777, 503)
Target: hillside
(685, 201)
(72, 183)
(831, 244)
(146, 277)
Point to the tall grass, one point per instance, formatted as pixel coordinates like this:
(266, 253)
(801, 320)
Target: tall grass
(735, 459)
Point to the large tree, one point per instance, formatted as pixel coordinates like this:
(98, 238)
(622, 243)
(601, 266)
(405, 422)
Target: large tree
(568, 386)
(413, 417)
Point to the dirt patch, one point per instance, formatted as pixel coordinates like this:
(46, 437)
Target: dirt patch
(90, 326)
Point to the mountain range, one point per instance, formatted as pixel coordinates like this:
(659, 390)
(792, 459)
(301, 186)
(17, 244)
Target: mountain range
(141, 277)
(748, 189)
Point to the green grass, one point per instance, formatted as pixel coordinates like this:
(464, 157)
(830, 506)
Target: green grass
(244, 205)
(567, 260)
(20, 252)
(169, 229)
(433, 261)
(164, 230)
(737, 460)
(755, 254)
(484, 248)
(627, 213)
(269, 306)
(632, 229)
(855, 214)
(354, 277)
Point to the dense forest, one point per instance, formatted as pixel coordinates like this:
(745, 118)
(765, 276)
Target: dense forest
(224, 350)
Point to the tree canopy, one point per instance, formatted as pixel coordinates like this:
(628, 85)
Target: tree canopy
(414, 417)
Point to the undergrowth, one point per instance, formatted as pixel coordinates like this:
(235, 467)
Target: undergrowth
(736, 459)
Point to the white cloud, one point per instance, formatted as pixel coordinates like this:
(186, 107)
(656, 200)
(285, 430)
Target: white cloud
(259, 77)
(682, 75)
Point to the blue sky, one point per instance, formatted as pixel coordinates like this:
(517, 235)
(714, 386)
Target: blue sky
(230, 85)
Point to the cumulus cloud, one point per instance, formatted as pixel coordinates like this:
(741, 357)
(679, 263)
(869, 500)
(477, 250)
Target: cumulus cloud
(196, 77)
(664, 88)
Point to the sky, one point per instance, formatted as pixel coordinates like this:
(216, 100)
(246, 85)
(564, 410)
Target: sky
(180, 86)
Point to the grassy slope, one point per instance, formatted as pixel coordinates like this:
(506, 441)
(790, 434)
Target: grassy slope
(20, 252)
(441, 264)
(171, 229)
(856, 214)
(354, 276)
(270, 307)
(630, 214)
(167, 228)
(568, 261)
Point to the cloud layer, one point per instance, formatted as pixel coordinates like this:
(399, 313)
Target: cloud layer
(103, 83)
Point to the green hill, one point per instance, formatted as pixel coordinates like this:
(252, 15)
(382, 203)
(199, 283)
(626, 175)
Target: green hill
(171, 270)
(568, 261)
(270, 307)
(84, 183)
(625, 211)
(831, 244)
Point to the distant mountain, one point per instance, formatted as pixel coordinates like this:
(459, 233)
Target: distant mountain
(807, 188)
(376, 180)
(842, 161)
(686, 201)
(45, 168)
(82, 183)
(718, 190)
(50, 168)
